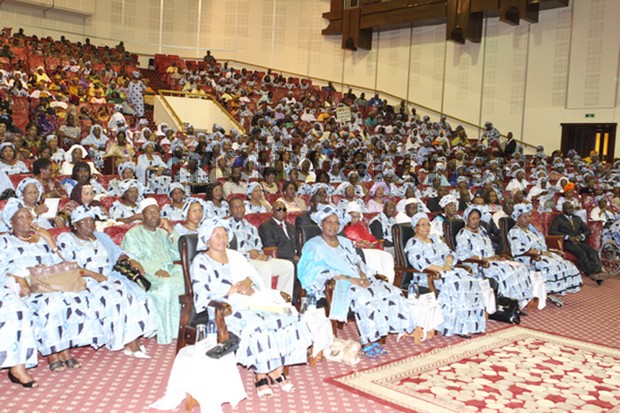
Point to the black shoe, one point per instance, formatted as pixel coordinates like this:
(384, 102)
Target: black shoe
(599, 282)
(15, 380)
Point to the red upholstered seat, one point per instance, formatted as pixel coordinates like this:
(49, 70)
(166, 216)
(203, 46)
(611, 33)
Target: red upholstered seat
(292, 216)
(17, 178)
(107, 201)
(258, 219)
(162, 199)
(117, 232)
(57, 231)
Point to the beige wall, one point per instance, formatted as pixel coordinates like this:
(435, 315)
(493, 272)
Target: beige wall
(526, 79)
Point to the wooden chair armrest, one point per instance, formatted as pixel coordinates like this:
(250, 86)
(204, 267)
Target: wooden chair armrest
(271, 252)
(222, 310)
(431, 277)
(480, 262)
(186, 299)
(286, 296)
(555, 242)
(379, 244)
(381, 277)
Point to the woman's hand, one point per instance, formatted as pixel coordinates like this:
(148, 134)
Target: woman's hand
(245, 287)
(362, 282)
(24, 287)
(40, 209)
(94, 275)
(162, 274)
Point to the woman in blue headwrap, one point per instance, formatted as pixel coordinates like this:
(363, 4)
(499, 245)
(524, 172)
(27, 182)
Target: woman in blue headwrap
(128, 310)
(269, 340)
(528, 244)
(62, 319)
(513, 278)
(379, 307)
(460, 295)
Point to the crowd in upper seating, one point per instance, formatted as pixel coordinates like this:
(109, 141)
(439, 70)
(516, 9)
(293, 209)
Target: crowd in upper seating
(79, 158)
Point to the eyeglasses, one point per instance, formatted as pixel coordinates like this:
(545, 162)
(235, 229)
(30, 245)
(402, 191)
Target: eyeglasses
(281, 209)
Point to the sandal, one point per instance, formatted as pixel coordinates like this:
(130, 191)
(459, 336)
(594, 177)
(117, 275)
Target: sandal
(57, 366)
(380, 350)
(287, 387)
(370, 351)
(72, 363)
(266, 392)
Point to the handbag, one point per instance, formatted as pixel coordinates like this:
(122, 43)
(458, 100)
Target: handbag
(507, 311)
(228, 346)
(125, 269)
(65, 277)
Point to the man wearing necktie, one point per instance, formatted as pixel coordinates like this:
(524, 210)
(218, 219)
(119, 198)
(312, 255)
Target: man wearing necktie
(575, 233)
(276, 232)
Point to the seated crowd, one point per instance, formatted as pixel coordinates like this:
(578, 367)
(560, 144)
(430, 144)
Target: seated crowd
(107, 191)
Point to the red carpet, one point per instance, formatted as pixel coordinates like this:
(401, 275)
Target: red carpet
(508, 371)
(111, 382)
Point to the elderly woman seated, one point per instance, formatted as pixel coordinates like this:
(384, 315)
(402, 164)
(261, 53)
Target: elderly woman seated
(95, 251)
(17, 338)
(460, 295)
(269, 340)
(528, 246)
(379, 307)
(513, 278)
(95, 316)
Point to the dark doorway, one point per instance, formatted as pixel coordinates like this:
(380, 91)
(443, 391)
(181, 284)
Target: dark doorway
(586, 137)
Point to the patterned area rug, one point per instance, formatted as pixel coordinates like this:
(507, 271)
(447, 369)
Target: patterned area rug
(512, 370)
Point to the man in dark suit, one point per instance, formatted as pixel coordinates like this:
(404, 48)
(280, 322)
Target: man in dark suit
(433, 203)
(575, 233)
(276, 232)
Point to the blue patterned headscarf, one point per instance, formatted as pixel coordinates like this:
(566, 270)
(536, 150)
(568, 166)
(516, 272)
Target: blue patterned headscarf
(447, 200)
(206, 231)
(323, 211)
(12, 206)
(251, 187)
(471, 209)
(81, 212)
(417, 217)
(521, 209)
(21, 187)
(189, 203)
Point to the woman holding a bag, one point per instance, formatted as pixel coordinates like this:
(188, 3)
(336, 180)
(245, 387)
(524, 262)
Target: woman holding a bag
(95, 251)
(62, 319)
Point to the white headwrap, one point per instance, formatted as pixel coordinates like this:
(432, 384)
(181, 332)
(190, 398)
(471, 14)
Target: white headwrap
(471, 209)
(126, 165)
(353, 207)
(21, 187)
(206, 231)
(189, 203)
(81, 212)
(323, 211)
(68, 156)
(521, 209)
(126, 184)
(12, 206)
(417, 217)
(251, 187)
(176, 185)
(447, 200)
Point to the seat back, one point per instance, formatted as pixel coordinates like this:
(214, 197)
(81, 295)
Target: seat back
(305, 232)
(451, 230)
(187, 249)
(401, 234)
(505, 225)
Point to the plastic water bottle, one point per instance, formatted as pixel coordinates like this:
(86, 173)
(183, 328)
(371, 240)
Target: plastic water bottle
(413, 291)
(211, 326)
(311, 300)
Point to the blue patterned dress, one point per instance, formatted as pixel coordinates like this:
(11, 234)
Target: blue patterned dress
(17, 340)
(268, 340)
(134, 314)
(379, 309)
(217, 212)
(513, 278)
(120, 210)
(460, 295)
(62, 320)
(561, 276)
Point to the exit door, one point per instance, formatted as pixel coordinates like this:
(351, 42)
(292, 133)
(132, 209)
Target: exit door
(587, 137)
